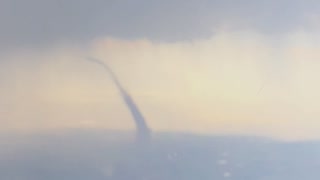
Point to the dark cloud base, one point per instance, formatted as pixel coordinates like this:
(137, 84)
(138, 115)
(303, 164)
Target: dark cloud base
(46, 22)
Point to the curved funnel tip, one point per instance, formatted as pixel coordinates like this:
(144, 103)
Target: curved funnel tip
(143, 132)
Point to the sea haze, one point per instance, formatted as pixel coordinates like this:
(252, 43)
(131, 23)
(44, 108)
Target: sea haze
(97, 155)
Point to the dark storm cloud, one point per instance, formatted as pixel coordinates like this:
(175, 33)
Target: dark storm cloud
(44, 22)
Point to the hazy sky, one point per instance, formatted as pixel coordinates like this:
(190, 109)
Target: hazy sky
(205, 66)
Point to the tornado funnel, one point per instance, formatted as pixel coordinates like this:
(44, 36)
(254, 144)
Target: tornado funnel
(143, 132)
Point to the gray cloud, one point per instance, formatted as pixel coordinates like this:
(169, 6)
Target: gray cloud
(45, 22)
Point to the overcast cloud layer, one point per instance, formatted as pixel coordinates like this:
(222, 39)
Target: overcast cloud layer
(47, 22)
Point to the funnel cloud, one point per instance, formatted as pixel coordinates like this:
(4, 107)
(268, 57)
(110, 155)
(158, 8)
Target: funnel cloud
(143, 131)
